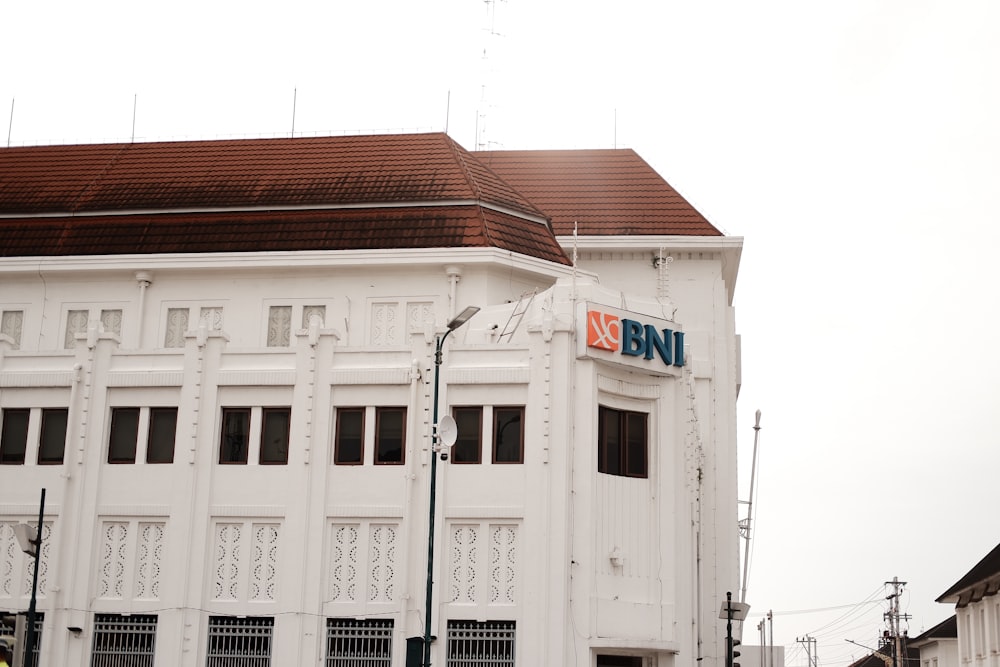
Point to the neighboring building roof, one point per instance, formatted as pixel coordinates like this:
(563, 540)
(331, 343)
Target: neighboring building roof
(884, 656)
(946, 629)
(980, 581)
(609, 192)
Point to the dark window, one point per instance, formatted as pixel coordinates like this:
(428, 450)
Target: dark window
(235, 445)
(239, 641)
(622, 442)
(481, 643)
(124, 640)
(14, 436)
(359, 642)
(390, 430)
(124, 434)
(508, 435)
(162, 433)
(619, 661)
(274, 435)
(468, 444)
(347, 447)
(52, 439)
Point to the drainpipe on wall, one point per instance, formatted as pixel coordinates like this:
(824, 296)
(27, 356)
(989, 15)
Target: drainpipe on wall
(145, 279)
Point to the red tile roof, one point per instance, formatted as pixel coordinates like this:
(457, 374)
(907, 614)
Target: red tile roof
(282, 230)
(609, 192)
(326, 193)
(374, 169)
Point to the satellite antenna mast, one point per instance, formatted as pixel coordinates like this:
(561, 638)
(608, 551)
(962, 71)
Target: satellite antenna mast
(10, 123)
(447, 112)
(745, 523)
(481, 142)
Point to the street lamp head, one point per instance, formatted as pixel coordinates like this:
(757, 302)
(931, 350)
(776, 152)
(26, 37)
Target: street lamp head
(734, 611)
(27, 538)
(462, 317)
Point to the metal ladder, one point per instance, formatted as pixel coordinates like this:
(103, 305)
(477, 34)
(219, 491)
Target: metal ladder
(514, 321)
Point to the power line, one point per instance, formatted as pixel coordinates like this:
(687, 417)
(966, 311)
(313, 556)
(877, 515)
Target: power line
(793, 612)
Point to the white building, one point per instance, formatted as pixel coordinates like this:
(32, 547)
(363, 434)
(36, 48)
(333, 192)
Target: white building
(218, 359)
(977, 617)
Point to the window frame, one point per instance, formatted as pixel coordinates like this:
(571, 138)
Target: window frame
(148, 434)
(338, 433)
(153, 439)
(47, 415)
(378, 451)
(130, 443)
(465, 439)
(624, 446)
(266, 414)
(6, 436)
(242, 455)
(499, 430)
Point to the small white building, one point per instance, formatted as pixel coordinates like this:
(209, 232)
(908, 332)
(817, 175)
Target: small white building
(219, 360)
(977, 618)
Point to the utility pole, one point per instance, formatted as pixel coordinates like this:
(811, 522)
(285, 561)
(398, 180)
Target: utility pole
(894, 618)
(763, 643)
(811, 652)
(770, 623)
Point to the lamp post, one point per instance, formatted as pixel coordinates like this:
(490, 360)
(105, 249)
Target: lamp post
(732, 611)
(458, 321)
(30, 541)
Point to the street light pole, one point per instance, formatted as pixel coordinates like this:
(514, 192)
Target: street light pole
(32, 547)
(732, 611)
(458, 321)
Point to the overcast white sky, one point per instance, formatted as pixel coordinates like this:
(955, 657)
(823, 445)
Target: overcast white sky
(853, 144)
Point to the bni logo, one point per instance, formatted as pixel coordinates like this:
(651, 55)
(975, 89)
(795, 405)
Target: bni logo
(634, 339)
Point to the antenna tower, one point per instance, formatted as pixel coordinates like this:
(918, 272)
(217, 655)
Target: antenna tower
(484, 104)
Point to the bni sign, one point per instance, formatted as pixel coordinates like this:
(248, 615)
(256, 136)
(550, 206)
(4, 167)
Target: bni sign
(634, 337)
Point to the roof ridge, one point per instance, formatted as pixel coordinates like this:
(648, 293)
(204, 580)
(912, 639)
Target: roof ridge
(80, 198)
(462, 157)
(473, 182)
(459, 153)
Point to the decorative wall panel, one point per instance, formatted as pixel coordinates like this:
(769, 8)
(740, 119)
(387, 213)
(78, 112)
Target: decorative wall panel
(343, 563)
(382, 561)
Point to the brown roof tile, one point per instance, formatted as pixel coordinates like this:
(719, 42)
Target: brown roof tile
(247, 173)
(400, 191)
(325, 193)
(249, 231)
(607, 192)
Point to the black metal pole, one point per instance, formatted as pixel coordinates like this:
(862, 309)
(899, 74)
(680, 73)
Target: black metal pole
(430, 519)
(729, 629)
(456, 322)
(29, 648)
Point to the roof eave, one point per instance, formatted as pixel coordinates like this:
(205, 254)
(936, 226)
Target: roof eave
(302, 259)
